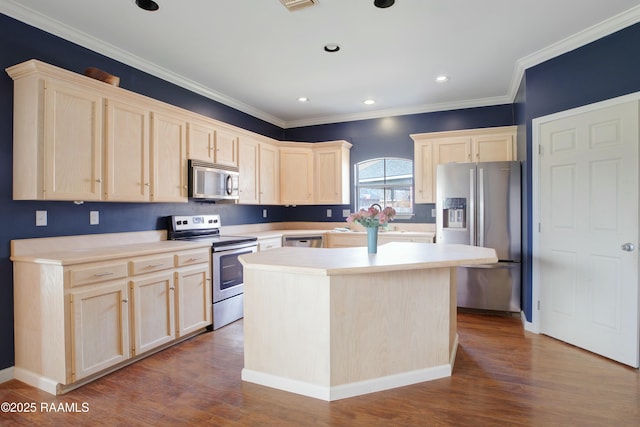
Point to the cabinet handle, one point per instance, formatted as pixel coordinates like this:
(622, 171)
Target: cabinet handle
(106, 273)
(98, 181)
(125, 300)
(146, 184)
(193, 259)
(172, 288)
(154, 265)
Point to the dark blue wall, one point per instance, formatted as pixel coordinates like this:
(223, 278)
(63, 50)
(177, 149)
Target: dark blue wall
(20, 42)
(389, 137)
(604, 69)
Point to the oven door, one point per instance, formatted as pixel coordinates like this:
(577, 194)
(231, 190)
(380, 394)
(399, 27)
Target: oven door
(227, 272)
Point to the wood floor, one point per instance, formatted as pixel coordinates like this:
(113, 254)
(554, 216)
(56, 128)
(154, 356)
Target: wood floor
(503, 376)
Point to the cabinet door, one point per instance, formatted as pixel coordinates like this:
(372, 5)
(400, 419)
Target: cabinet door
(200, 142)
(296, 176)
(493, 148)
(127, 152)
(331, 176)
(248, 167)
(72, 137)
(346, 240)
(99, 327)
(153, 312)
(194, 301)
(452, 150)
(269, 174)
(168, 159)
(226, 148)
(424, 172)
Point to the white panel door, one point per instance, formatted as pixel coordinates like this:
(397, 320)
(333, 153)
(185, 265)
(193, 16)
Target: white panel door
(588, 211)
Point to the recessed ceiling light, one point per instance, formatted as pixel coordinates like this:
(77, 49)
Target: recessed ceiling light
(442, 79)
(368, 102)
(331, 47)
(383, 3)
(303, 99)
(148, 5)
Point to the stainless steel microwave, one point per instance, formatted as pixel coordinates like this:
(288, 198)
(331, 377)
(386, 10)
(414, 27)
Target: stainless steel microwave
(212, 182)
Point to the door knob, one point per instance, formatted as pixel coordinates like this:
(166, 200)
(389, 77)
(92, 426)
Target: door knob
(629, 247)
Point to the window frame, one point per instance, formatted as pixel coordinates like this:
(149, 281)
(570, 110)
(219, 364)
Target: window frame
(405, 187)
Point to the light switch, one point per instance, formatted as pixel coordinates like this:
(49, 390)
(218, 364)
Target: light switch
(94, 218)
(264, 213)
(346, 213)
(41, 218)
(329, 213)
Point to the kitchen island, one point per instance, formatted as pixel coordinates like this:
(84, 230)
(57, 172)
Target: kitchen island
(332, 323)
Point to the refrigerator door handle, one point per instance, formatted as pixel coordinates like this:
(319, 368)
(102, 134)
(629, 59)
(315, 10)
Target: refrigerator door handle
(480, 206)
(472, 208)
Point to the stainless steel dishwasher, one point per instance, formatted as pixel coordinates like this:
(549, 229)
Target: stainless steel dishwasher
(303, 241)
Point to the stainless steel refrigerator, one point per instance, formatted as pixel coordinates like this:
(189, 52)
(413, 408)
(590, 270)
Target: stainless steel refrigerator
(479, 204)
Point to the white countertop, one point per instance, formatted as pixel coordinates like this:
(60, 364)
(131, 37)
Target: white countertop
(105, 253)
(311, 232)
(390, 256)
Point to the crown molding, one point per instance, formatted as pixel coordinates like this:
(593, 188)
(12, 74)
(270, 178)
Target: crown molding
(17, 11)
(582, 38)
(45, 23)
(378, 114)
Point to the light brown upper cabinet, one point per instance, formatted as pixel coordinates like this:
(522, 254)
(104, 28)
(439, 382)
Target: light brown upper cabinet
(80, 139)
(212, 144)
(314, 173)
(259, 172)
(248, 181)
(472, 145)
(226, 149)
(59, 130)
(168, 158)
(296, 175)
(331, 173)
(127, 152)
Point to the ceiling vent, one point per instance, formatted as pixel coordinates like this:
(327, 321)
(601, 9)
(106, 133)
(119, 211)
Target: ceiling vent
(298, 4)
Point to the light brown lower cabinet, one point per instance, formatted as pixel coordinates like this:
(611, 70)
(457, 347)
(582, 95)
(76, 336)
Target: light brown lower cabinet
(74, 323)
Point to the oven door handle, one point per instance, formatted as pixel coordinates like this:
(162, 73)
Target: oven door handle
(235, 248)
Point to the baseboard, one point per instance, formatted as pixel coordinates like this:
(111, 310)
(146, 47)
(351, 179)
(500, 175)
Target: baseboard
(28, 377)
(347, 390)
(6, 374)
(528, 326)
(454, 351)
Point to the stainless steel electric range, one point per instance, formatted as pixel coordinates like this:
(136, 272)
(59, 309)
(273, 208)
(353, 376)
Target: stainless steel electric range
(227, 279)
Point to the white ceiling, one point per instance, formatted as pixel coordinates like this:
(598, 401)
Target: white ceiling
(258, 57)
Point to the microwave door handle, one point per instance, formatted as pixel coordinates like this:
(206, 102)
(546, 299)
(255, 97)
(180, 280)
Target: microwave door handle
(229, 185)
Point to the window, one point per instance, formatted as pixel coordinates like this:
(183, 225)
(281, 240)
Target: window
(387, 181)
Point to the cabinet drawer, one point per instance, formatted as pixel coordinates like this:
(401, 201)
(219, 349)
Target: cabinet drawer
(151, 264)
(98, 273)
(272, 243)
(192, 257)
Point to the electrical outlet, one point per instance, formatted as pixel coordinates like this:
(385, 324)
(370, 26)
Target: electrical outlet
(346, 213)
(264, 213)
(329, 213)
(41, 218)
(433, 212)
(94, 218)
